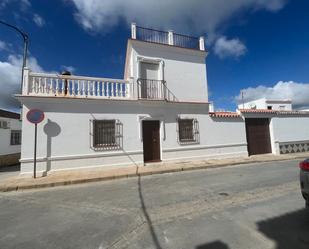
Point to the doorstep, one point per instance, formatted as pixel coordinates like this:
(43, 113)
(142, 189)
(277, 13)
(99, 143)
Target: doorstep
(62, 178)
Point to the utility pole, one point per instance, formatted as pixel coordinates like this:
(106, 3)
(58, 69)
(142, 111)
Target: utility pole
(242, 99)
(26, 40)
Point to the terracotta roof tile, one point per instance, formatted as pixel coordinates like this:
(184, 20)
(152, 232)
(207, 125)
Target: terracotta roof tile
(293, 112)
(224, 114)
(257, 111)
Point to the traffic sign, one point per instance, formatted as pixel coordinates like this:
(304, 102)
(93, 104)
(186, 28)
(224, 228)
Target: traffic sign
(35, 116)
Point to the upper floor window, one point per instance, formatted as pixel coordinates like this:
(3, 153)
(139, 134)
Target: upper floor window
(15, 137)
(269, 107)
(188, 131)
(107, 134)
(281, 107)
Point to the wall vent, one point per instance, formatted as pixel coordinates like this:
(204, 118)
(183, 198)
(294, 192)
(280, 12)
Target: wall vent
(4, 124)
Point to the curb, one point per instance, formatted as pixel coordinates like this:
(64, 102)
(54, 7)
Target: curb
(138, 174)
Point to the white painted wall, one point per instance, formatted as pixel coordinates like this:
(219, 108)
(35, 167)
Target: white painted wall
(5, 137)
(279, 106)
(64, 135)
(291, 128)
(263, 103)
(255, 104)
(184, 70)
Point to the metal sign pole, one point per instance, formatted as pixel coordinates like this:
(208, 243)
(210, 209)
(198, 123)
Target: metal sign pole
(35, 141)
(35, 116)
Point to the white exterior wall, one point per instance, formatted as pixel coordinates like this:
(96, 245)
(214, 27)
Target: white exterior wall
(264, 103)
(289, 130)
(258, 103)
(184, 70)
(64, 135)
(278, 106)
(5, 137)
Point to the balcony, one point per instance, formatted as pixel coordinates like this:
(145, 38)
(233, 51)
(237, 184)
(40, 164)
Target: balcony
(149, 89)
(69, 86)
(167, 38)
(54, 85)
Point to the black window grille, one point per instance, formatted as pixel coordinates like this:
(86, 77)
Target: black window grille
(188, 131)
(15, 137)
(107, 134)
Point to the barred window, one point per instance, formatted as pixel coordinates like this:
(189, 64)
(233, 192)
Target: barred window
(188, 131)
(15, 137)
(107, 134)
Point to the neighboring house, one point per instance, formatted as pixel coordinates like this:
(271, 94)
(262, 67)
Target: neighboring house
(268, 104)
(10, 138)
(158, 112)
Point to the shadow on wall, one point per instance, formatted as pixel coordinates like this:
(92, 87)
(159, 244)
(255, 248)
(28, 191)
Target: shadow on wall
(51, 129)
(213, 245)
(288, 231)
(128, 107)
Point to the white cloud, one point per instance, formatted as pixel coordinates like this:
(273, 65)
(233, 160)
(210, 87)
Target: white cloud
(38, 20)
(297, 92)
(71, 69)
(25, 4)
(10, 79)
(181, 15)
(3, 45)
(229, 48)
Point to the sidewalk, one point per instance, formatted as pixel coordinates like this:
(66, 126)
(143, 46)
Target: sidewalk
(62, 178)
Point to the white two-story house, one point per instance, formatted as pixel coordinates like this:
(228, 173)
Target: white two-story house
(159, 112)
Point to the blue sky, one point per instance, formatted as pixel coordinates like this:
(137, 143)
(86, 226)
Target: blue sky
(257, 46)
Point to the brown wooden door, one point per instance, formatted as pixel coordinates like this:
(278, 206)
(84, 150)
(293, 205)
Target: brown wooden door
(258, 138)
(151, 141)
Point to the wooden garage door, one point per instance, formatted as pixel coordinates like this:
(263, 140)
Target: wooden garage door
(258, 137)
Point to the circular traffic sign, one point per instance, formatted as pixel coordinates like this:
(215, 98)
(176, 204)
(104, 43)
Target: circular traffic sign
(35, 116)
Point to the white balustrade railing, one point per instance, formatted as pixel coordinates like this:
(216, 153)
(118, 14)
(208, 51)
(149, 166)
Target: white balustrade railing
(42, 84)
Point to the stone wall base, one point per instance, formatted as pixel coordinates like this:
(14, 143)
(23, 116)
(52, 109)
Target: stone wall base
(11, 159)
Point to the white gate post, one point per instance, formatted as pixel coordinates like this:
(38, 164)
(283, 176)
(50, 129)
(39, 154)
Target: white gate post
(170, 37)
(133, 30)
(202, 43)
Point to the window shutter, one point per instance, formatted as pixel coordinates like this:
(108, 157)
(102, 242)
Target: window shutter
(91, 132)
(118, 133)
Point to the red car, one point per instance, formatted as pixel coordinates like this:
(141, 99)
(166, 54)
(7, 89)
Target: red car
(304, 180)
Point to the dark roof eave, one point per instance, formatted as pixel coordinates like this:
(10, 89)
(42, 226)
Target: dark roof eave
(9, 114)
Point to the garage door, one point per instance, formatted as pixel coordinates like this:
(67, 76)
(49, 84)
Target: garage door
(258, 137)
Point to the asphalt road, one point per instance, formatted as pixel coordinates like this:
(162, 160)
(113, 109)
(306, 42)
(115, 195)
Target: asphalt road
(246, 206)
